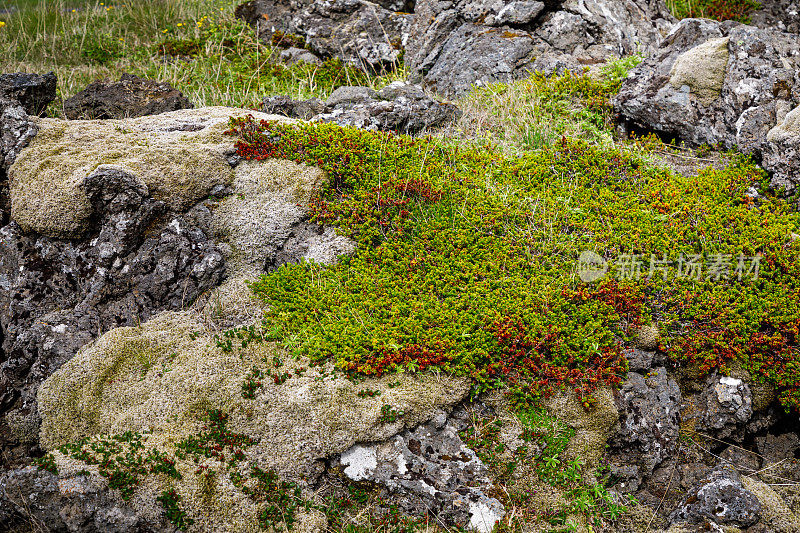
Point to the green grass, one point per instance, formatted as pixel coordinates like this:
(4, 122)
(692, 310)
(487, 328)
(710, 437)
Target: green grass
(535, 112)
(738, 10)
(195, 45)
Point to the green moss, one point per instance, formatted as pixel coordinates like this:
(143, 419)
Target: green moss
(467, 262)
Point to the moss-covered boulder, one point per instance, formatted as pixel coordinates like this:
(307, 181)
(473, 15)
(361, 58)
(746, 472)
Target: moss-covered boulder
(224, 416)
(179, 156)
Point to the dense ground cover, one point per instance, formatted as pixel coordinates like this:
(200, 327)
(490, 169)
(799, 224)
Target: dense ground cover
(467, 262)
(738, 10)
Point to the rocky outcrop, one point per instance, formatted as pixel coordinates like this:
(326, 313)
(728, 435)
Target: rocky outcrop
(130, 97)
(449, 46)
(781, 152)
(37, 500)
(455, 45)
(648, 433)
(161, 378)
(430, 467)
(364, 34)
(781, 15)
(398, 107)
(34, 92)
(721, 84)
(720, 498)
(142, 215)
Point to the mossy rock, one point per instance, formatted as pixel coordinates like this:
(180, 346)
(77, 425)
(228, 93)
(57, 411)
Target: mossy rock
(179, 156)
(161, 379)
(702, 69)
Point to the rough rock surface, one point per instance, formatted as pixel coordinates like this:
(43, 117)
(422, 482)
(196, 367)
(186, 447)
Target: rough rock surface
(364, 34)
(161, 376)
(781, 152)
(721, 499)
(433, 465)
(398, 107)
(33, 91)
(37, 500)
(725, 406)
(134, 250)
(648, 432)
(781, 15)
(453, 45)
(46, 190)
(16, 130)
(131, 96)
(720, 83)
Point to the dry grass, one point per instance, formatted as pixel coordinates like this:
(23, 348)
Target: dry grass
(214, 59)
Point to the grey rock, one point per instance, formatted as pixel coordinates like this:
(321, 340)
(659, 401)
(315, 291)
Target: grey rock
(781, 152)
(523, 12)
(56, 294)
(641, 360)
(294, 55)
(399, 107)
(781, 15)
(426, 469)
(16, 131)
(777, 448)
(36, 500)
(350, 95)
(131, 96)
(33, 91)
(454, 45)
(740, 98)
(649, 408)
(722, 499)
(288, 107)
(364, 34)
(725, 406)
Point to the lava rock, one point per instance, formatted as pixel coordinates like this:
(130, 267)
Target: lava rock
(40, 501)
(455, 45)
(721, 499)
(288, 107)
(726, 405)
(16, 131)
(649, 408)
(429, 468)
(58, 294)
(781, 15)
(722, 84)
(34, 92)
(131, 96)
(781, 153)
(399, 107)
(294, 55)
(364, 34)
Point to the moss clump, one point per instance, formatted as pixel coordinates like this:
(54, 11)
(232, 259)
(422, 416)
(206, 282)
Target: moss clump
(702, 69)
(178, 165)
(467, 262)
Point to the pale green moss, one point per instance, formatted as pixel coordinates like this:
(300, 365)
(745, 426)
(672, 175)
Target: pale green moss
(180, 156)
(267, 195)
(774, 511)
(702, 69)
(161, 378)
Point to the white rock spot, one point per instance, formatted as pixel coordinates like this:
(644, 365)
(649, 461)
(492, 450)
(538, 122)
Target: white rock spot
(482, 517)
(361, 462)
